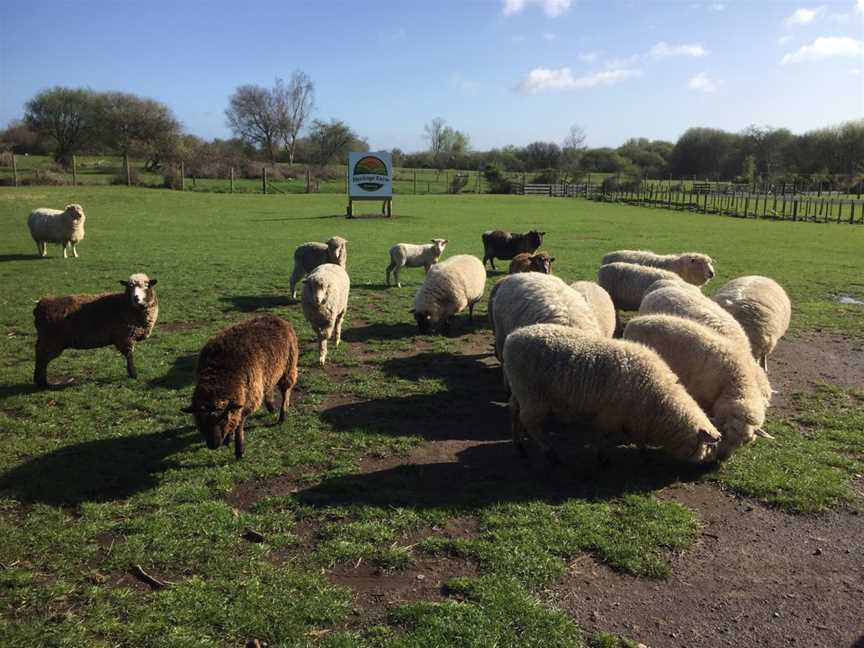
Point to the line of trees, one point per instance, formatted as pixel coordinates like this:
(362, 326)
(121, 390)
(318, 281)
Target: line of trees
(276, 124)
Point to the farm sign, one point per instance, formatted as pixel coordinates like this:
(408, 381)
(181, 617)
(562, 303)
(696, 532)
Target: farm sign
(370, 175)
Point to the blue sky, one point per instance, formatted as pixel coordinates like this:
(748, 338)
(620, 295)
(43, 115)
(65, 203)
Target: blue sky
(503, 71)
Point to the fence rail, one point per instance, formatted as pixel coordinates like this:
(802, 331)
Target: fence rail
(800, 207)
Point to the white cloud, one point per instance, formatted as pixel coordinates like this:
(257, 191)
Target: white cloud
(855, 72)
(626, 62)
(826, 47)
(783, 40)
(717, 6)
(703, 83)
(545, 79)
(551, 8)
(549, 36)
(664, 50)
(859, 6)
(804, 16)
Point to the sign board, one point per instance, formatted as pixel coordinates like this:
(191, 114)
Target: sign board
(370, 175)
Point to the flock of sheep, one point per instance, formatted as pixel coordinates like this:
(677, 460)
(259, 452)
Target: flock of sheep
(687, 374)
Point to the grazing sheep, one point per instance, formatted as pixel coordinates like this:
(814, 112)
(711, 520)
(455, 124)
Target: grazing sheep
(762, 308)
(309, 256)
(533, 298)
(505, 245)
(622, 392)
(528, 262)
(627, 283)
(238, 369)
(325, 300)
(684, 300)
(692, 267)
(65, 227)
(408, 255)
(601, 304)
(449, 287)
(85, 321)
(721, 377)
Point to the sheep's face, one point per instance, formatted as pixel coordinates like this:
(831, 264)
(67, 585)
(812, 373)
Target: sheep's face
(218, 423)
(139, 289)
(424, 322)
(76, 212)
(739, 425)
(707, 445)
(535, 238)
(337, 251)
(440, 244)
(698, 269)
(542, 263)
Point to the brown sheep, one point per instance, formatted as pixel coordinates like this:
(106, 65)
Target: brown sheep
(90, 321)
(528, 262)
(238, 369)
(506, 245)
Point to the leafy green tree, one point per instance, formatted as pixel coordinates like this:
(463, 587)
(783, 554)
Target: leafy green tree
(69, 116)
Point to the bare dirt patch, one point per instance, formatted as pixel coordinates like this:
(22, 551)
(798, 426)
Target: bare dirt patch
(757, 577)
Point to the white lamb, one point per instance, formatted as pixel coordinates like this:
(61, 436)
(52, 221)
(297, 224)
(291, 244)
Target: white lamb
(627, 283)
(408, 255)
(64, 227)
(614, 392)
(720, 376)
(325, 300)
(693, 267)
(309, 256)
(535, 298)
(601, 303)
(762, 308)
(449, 287)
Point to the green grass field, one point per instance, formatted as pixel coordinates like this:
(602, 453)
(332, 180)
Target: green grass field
(105, 473)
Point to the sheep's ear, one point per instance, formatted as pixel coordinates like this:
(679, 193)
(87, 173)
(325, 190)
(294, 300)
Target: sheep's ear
(124, 282)
(552, 260)
(412, 311)
(188, 409)
(446, 241)
(762, 433)
(233, 406)
(706, 437)
(152, 283)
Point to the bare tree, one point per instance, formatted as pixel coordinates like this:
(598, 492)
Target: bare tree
(572, 148)
(294, 103)
(253, 116)
(435, 132)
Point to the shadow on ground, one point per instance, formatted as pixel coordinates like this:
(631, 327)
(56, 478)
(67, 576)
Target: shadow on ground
(181, 374)
(96, 471)
(19, 257)
(490, 473)
(252, 303)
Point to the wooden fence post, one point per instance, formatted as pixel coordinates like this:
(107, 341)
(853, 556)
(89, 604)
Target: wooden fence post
(232, 179)
(264, 179)
(415, 179)
(128, 172)
(182, 176)
(74, 172)
(308, 181)
(14, 170)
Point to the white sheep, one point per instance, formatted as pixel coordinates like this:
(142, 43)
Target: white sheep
(684, 300)
(309, 256)
(535, 298)
(627, 283)
(720, 376)
(762, 308)
(64, 227)
(449, 287)
(86, 321)
(409, 255)
(693, 267)
(623, 390)
(601, 303)
(325, 300)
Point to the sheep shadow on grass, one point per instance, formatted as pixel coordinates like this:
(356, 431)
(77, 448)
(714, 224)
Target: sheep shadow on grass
(181, 374)
(19, 257)
(252, 303)
(103, 470)
(490, 473)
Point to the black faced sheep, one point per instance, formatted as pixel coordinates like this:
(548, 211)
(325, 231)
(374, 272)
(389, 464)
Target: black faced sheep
(499, 244)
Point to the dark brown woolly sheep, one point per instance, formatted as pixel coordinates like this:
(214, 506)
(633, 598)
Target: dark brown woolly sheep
(90, 321)
(238, 369)
(505, 245)
(527, 262)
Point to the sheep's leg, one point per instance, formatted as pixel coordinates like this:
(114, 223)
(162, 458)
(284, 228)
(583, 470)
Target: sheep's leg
(396, 272)
(130, 360)
(471, 312)
(286, 386)
(269, 401)
(240, 439)
(296, 275)
(322, 348)
(74, 250)
(45, 353)
(763, 362)
(65, 245)
(517, 430)
(338, 328)
(390, 269)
